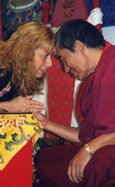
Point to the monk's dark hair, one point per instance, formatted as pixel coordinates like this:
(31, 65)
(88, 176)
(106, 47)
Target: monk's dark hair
(78, 29)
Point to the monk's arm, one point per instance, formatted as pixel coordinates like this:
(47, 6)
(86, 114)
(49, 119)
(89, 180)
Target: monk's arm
(101, 141)
(65, 132)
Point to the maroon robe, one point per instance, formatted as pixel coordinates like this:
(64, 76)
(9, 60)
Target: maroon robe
(96, 112)
(98, 98)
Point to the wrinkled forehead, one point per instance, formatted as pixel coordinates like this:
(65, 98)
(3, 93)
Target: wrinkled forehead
(61, 52)
(58, 50)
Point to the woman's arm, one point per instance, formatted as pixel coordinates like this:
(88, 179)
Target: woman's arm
(3, 106)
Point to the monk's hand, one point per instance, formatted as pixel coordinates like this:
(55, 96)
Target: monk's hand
(41, 118)
(77, 165)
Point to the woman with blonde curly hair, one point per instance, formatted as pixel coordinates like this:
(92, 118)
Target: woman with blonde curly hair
(24, 59)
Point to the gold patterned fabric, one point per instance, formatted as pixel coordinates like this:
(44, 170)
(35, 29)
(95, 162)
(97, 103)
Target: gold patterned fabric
(15, 131)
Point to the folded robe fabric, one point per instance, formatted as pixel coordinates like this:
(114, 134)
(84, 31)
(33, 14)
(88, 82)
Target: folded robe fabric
(15, 131)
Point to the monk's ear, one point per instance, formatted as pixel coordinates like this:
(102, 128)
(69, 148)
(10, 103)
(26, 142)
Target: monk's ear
(79, 46)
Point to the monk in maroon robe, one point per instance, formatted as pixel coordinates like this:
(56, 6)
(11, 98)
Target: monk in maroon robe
(89, 159)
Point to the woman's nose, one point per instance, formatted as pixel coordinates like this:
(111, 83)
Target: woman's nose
(49, 61)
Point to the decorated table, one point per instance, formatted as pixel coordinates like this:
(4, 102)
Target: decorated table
(18, 134)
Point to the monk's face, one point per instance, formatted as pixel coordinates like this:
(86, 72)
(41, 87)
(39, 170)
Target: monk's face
(76, 62)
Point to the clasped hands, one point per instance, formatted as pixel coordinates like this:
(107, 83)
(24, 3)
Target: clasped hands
(24, 104)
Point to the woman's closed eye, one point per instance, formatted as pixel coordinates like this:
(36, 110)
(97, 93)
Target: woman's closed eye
(44, 57)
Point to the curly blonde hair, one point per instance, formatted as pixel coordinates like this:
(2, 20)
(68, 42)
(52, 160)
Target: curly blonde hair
(19, 52)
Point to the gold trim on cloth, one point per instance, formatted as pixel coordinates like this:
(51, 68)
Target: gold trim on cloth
(15, 131)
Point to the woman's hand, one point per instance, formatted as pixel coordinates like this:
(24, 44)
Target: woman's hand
(77, 166)
(24, 104)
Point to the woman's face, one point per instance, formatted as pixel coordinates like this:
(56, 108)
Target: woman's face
(42, 61)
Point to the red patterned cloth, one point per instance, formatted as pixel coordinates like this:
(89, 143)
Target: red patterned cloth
(59, 16)
(60, 94)
(45, 9)
(96, 3)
